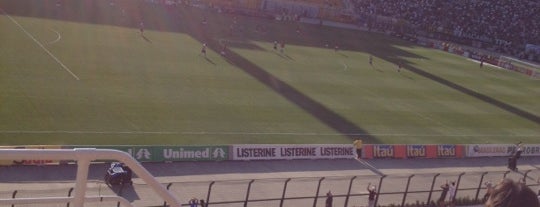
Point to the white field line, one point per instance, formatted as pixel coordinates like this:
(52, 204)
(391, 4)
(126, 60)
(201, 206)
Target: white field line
(41, 45)
(485, 63)
(58, 37)
(224, 40)
(254, 133)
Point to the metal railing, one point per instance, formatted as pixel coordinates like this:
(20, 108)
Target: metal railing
(397, 190)
(83, 158)
(348, 191)
(471, 190)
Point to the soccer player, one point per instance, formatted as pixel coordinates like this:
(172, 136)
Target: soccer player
(481, 62)
(141, 28)
(370, 60)
(275, 45)
(223, 49)
(282, 48)
(203, 50)
(399, 67)
(204, 21)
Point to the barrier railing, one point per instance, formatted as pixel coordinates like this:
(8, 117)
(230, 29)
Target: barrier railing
(348, 191)
(83, 158)
(406, 196)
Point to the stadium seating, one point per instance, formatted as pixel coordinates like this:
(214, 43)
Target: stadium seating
(505, 25)
(324, 3)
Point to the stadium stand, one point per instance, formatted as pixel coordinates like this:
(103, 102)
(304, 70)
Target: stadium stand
(501, 26)
(506, 27)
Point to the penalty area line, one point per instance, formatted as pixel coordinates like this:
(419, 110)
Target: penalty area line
(40, 45)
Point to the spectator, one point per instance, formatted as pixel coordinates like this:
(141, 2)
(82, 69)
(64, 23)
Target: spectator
(538, 195)
(489, 189)
(512, 194)
(512, 163)
(202, 203)
(506, 26)
(519, 150)
(444, 191)
(452, 193)
(194, 202)
(372, 189)
(329, 199)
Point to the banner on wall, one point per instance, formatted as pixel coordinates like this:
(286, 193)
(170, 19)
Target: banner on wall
(30, 162)
(413, 151)
(446, 150)
(383, 151)
(171, 153)
(416, 151)
(288, 152)
(501, 150)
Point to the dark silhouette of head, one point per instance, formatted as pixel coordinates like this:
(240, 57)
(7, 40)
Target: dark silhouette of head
(512, 194)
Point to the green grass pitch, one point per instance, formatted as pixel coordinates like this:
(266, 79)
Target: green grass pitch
(82, 74)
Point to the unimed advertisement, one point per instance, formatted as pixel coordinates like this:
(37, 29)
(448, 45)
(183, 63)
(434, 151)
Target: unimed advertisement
(288, 152)
(179, 153)
(194, 153)
(144, 153)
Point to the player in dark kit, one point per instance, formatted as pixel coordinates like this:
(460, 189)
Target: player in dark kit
(203, 50)
(141, 28)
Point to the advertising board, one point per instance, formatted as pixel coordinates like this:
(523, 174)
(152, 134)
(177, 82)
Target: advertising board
(280, 152)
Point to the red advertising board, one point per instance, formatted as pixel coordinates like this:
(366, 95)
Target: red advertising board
(413, 151)
(30, 162)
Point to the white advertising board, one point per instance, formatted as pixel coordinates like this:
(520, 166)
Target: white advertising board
(492, 150)
(289, 152)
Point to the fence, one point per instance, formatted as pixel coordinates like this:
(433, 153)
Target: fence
(350, 191)
(83, 158)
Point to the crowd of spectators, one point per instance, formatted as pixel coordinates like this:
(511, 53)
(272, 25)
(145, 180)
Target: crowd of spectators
(504, 25)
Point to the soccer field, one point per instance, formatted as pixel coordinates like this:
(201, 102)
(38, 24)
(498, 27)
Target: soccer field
(81, 73)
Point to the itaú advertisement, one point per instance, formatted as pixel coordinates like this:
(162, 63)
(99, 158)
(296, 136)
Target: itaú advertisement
(493, 150)
(289, 152)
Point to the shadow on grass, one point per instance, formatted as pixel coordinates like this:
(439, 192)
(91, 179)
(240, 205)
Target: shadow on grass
(187, 20)
(480, 96)
(209, 60)
(146, 39)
